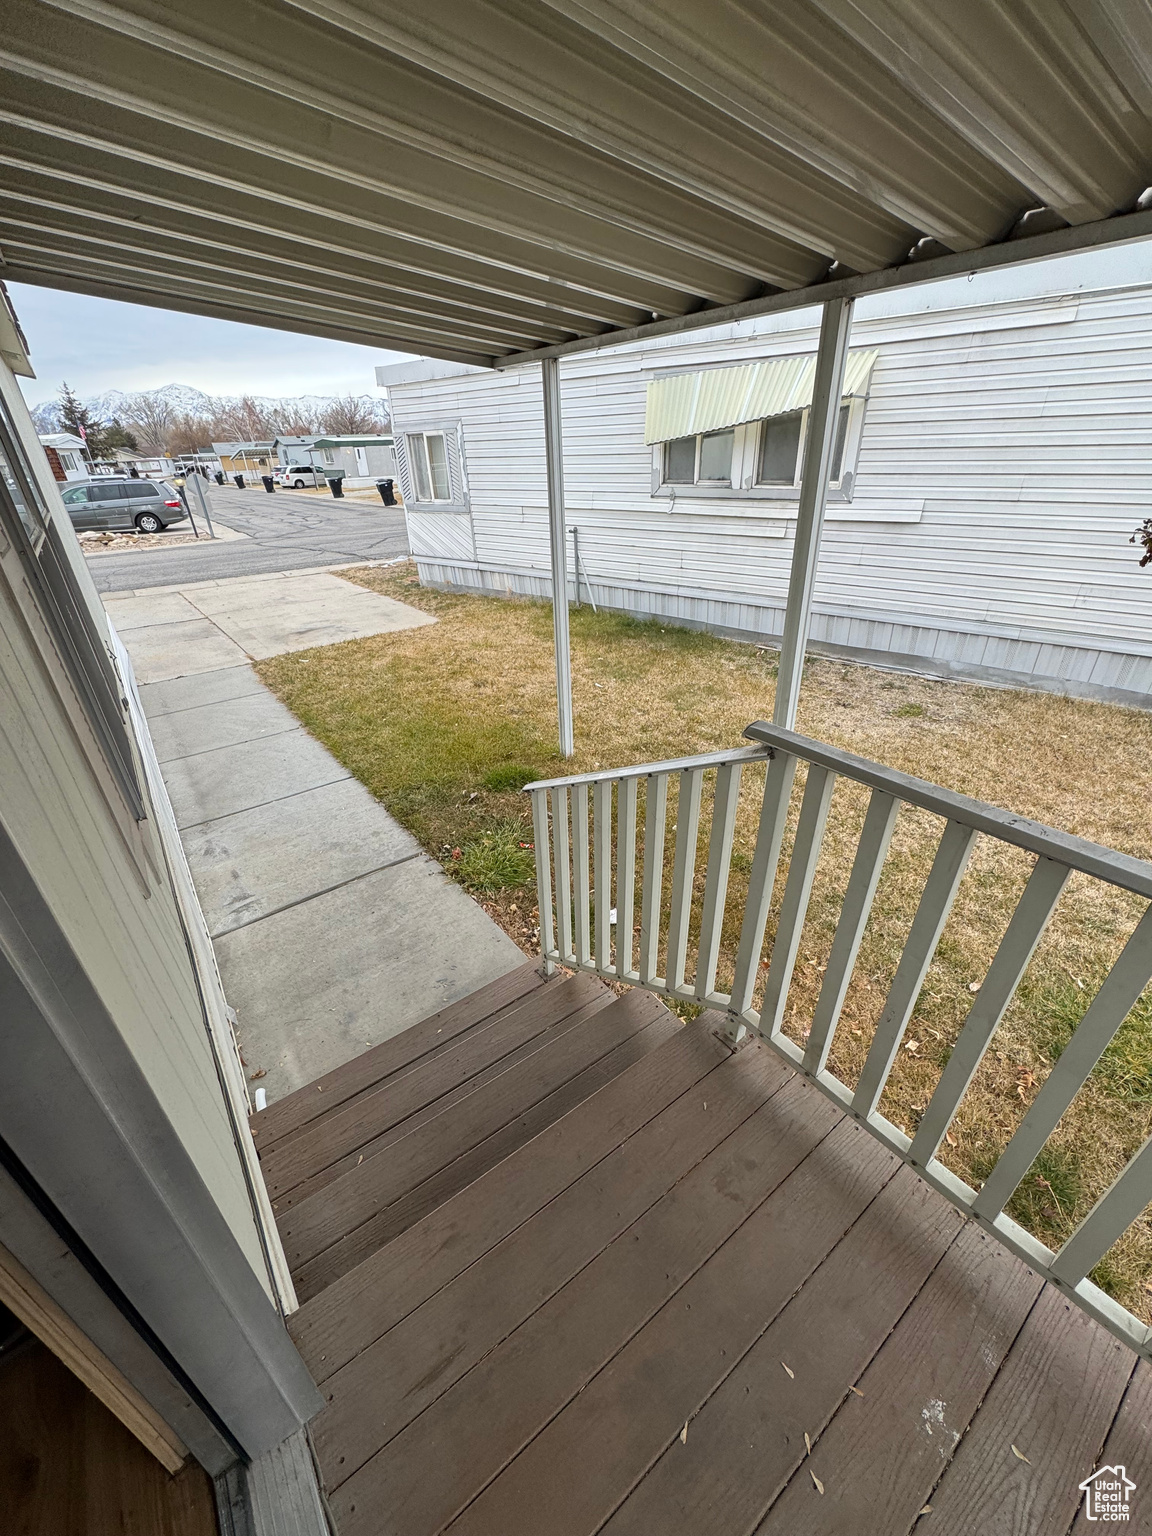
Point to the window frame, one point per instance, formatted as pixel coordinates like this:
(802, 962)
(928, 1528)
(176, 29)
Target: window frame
(75, 637)
(744, 484)
(423, 476)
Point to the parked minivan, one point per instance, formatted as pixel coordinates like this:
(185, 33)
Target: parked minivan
(109, 502)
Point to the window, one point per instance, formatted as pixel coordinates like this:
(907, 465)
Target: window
(25, 520)
(75, 497)
(706, 459)
(428, 453)
(329, 456)
(780, 457)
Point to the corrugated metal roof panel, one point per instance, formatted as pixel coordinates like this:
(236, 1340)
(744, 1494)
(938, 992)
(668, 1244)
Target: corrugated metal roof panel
(482, 182)
(688, 403)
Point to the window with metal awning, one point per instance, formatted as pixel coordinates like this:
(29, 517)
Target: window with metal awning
(742, 428)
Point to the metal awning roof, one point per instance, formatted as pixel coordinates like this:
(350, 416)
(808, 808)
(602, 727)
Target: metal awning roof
(687, 403)
(483, 179)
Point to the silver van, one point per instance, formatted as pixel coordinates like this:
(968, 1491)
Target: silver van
(109, 502)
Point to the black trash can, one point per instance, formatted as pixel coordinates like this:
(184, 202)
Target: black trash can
(336, 485)
(239, 482)
(385, 489)
(219, 477)
(268, 483)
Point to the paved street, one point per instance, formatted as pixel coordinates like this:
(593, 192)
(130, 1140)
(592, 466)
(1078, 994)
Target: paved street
(285, 531)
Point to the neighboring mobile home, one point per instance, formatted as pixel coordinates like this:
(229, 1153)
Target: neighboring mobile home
(992, 462)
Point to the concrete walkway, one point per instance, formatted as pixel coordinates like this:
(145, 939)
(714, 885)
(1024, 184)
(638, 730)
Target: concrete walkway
(333, 929)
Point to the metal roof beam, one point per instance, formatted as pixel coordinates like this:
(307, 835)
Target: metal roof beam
(45, 264)
(111, 180)
(180, 302)
(1057, 242)
(157, 250)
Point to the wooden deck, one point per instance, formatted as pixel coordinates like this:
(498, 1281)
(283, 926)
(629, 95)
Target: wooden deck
(569, 1267)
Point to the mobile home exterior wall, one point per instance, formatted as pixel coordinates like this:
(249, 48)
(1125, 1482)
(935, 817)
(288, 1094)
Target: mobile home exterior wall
(114, 1107)
(1001, 465)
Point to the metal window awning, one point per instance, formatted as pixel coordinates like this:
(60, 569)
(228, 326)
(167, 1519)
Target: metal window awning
(687, 403)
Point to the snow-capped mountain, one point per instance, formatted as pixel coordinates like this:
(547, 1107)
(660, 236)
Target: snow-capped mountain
(182, 400)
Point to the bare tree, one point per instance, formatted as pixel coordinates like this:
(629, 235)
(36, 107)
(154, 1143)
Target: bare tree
(352, 413)
(150, 419)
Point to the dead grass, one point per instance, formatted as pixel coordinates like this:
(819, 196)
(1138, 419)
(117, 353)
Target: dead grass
(443, 723)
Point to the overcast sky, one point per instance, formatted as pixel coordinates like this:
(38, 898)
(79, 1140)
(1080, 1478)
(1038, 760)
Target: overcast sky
(99, 344)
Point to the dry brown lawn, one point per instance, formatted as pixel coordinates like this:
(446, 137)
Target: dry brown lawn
(443, 723)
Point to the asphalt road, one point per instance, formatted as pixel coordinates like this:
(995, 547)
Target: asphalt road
(287, 531)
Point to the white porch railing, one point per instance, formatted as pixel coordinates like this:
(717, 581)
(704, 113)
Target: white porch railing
(592, 856)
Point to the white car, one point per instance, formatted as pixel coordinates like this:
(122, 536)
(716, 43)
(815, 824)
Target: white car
(297, 476)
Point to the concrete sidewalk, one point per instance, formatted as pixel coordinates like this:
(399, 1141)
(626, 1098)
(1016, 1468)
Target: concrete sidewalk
(333, 929)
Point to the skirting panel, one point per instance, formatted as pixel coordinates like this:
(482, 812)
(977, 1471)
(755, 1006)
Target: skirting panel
(1021, 661)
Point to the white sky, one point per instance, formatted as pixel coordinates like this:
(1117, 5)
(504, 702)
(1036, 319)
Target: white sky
(100, 344)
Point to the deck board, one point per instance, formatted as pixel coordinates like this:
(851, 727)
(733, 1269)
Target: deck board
(342, 1219)
(897, 1242)
(881, 1455)
(353, 1312)
(1054, 1399)
(364, 1073)
(476, 1428)
(302, 1164)
(1129, 1444)
(620, 1227)
(392, 1382)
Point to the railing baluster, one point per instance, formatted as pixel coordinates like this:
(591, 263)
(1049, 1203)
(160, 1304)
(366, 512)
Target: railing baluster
(683, 871)
(724, 803)
(625, 874)
(542, 848)
(1111, 1216)
(935, 904)
(1104, 1016)
(655, 810)
(581, 892)
(602, 873)
(797, 890)
(563, 878)
(761, 881)
(871, 851)
(1024, 932)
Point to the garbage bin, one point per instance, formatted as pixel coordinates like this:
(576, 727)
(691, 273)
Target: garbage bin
(385, 489)
(268, 483)
(219, 477)
(239, 480)
(336, 484)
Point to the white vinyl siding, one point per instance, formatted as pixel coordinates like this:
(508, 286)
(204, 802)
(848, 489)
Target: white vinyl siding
(1000, 465)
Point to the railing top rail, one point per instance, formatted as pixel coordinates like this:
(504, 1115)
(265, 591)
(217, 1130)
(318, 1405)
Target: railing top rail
(1120, 869)
(642, 770)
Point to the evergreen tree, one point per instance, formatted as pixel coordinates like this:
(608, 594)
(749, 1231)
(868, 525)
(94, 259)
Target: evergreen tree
(76, 418)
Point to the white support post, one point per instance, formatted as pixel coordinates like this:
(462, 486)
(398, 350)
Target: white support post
(557, 537)
(823, 417)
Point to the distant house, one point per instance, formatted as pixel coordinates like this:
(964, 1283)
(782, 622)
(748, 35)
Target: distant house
(990, 467)
(361, 456)
(245, 458)
(65, 455)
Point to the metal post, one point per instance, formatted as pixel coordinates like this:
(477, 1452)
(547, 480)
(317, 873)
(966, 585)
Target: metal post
(823, 417)
(558, 539)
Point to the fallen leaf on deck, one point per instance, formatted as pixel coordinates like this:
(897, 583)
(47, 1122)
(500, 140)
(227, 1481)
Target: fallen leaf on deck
(927, 1510)
(684, 1433)
(856, 1390)
(816, 1480)
(263, 1072)
(1020, 1454)
(807, 1443)
(790, 1371)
